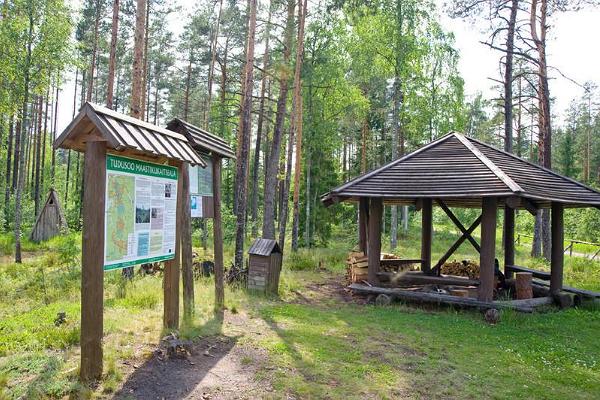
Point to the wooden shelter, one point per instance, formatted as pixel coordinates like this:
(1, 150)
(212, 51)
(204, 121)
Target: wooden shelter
(458, 171)
(51, 220)
(264, 265)
(96, 131)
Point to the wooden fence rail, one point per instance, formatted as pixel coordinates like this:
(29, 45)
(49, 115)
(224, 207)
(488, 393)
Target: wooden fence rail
(569, 248)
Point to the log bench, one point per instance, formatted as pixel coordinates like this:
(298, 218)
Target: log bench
(536, 273)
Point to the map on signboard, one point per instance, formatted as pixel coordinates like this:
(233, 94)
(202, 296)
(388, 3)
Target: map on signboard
(141, 210)
(119, 227)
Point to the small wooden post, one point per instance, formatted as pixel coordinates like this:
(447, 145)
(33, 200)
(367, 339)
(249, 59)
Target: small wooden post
(509, 239)
(426, 235)
(374, 245)
(218, 235)
(523, 287)
(186, 244)
(92, 274)
(171, 275)
(557, 258)
(488, 248)
(363, 218)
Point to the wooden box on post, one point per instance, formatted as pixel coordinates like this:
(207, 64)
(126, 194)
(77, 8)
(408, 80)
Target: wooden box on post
(264, 266)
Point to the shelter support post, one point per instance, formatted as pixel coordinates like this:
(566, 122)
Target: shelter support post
(426, 234)
(557, 257)
(186, 244)
(218, 234)
(488, 248)
(374, 245)
(509, 239)
(172, 267)
(363, 218)
(92, 274)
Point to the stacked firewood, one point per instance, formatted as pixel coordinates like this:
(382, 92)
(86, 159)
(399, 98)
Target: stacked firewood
(468, 268)
(357, 266)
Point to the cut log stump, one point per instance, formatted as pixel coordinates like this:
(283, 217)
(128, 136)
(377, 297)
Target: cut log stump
(523, 286)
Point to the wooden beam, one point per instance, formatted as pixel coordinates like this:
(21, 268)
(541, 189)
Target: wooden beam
(410, 278)
(171, 274)
(557, 254)
(459, 225)
(457, 244)
(92, 274)
(186, 245)
(488, 249)
(374, 245)
(515, 202)
(426, 234)
(509, 240)
(363, 218)
(218, 235)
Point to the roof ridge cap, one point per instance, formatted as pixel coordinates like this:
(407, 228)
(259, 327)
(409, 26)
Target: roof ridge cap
(366, 175)
(503, 176)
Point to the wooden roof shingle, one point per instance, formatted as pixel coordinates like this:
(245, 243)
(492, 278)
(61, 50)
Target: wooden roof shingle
(200, 139)
(461, 171)
(125, 133)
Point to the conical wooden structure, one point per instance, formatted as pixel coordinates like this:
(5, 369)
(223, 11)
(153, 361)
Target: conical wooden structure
(51, 221)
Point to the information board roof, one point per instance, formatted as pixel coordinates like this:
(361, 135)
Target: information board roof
(125, 133)
(200, 139)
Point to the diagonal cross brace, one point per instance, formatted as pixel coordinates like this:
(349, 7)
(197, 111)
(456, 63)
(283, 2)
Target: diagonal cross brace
(459, 225)
(457, 244)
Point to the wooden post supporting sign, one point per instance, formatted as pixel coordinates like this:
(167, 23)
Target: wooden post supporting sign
(218, 235)
(171, 274)
(186, 244)
(92, 274)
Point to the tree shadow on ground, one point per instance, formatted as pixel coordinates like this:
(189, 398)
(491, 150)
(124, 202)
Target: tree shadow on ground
(173, 378)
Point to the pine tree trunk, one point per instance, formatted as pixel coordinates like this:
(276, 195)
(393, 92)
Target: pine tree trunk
(211, 68)
(259, 131)
(145, 87)
(23, 134)
(137, 86)
(9, 152)
(246, 128)
(94, 52)
(54, 128)
(112, 59)
(544, 123)
(271, 180)
(298, 121)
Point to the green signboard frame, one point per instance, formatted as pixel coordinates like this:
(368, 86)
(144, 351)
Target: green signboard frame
(156, 215)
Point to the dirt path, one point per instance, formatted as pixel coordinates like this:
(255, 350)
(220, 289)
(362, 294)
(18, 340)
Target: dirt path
(227, 366)
(218, 367)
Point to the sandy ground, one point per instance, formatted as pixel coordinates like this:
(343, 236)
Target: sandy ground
(219, 367)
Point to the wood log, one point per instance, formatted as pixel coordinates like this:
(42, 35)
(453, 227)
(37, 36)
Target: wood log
(533, 302)
(435, 298)
(418, 278)
(523, 285)
(568, 289)
(459, 292)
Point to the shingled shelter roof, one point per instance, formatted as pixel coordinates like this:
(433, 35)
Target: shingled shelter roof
(200, 139)
(125, 133)
(461, 171)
